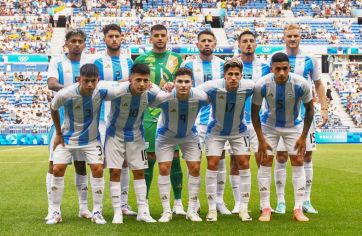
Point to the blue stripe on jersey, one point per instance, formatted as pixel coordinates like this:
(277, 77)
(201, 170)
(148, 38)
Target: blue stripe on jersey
(307, 67)
(164, 106)
(280, 105)
(265, 69)
(75, 70)
(99, 64)
(207, 69)
(69, 111)
(212, 94)
(130, 64)
(265, 114)
(183, 110)
(298, 92)
(116, 68)
(132, 117)
(87, 119)
(111, 131)
(292, 60)
(229, 113)
(51, 133)
(151, 97)
(60, 73)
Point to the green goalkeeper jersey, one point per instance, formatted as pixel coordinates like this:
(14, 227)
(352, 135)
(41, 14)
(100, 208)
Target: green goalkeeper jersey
(163, 66)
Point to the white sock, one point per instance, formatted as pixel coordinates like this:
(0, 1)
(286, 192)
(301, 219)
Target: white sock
(57, 189)
(194, 189)
(124, 186)
(97, 192)
(140, 189)
(308, 168)
(81, 182)
(235, 186)
(245, 188)
(48, 182)
(280, 176)
(115, 192)
(264, 181)
(211, 177)
(164, 186)
(221, 180)
(299, 186)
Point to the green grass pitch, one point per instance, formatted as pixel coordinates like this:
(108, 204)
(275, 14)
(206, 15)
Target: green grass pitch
(336, 194)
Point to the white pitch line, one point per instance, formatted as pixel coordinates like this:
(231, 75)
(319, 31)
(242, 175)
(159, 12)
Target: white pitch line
(12, 149)
(21, 162)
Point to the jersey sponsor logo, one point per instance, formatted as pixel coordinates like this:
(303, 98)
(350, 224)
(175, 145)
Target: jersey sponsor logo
(125, 105)
(77, 107)
(108, 65)
(173, 110)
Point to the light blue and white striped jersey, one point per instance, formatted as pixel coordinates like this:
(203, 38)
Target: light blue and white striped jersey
(82, 112)
(126, 117)
(304, 65)
(253, 71)
(283, 101)
(203, 71)
(227, 107)
(112, 69)
(65, 70)
(178, 116)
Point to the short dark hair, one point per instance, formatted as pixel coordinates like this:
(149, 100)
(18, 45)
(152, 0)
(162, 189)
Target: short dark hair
(89, 70)
(109, 27)
(245, 33)
(234, 62)
(183, 71)
(74, 32)
(158, 27)
(207, 32)
(139, 68)
(279, 57)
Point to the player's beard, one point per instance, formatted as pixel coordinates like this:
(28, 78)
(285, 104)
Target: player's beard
(158, 47)
(113, 49)
(248, 53)
(206, 52)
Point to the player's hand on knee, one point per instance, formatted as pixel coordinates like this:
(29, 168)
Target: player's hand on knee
(263, 150)
(59, 140)
(300, 146)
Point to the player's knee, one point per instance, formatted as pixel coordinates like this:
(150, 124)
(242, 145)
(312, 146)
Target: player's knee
(268, 161)
(97, 171)
(138, 174)
(164, 169)
(115, 175)
(58, 171)
(80, 167)
(234, 168)
(194, 169)
(244, 163)
(212, 164)
(282, 157)
(308, 156)
(296, 161)
(151, 155)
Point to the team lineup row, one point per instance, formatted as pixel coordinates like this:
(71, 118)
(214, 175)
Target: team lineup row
(183, 118)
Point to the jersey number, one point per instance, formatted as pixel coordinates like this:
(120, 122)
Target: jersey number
(133, 112)
(100, 150)
(144, 155)
(312, 138)
(229, 107)
(183, 117)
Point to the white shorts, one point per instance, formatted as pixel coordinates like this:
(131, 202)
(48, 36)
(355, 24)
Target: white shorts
(289, 135)
(102, 131)
(76, 157)
(92, 153)
(201, 130)
(253, 138)
(239, 145)
(189, 146)
(117, 151)
(310, 142)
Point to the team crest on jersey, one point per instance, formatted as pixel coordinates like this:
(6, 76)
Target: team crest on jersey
(108, 66)
(67, 71)
(125, 105)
